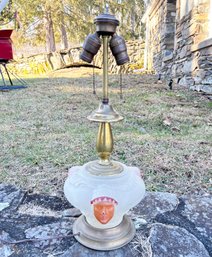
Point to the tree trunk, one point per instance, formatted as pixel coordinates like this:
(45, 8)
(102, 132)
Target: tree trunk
(50, 40)
(132, 19)
(64, 39)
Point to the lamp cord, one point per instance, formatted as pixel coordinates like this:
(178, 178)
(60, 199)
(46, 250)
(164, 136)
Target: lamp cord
(38, 239)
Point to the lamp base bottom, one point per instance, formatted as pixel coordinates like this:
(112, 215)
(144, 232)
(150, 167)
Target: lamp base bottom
(104, 239)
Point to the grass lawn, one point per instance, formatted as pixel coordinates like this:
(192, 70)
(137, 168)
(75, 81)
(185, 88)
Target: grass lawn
(44, 131)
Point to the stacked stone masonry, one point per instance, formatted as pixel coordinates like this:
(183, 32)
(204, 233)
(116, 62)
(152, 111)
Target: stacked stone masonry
(43, 63)
(179, 44)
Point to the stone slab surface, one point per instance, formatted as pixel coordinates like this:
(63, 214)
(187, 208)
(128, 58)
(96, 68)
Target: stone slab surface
(155, 203)
(10, 196)
(5, 250)
(198, 209)
(174, 241)
(166, 226)
(44, 231)
(78, 250)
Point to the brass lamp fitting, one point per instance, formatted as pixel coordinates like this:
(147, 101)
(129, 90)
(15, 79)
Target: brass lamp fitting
(119, 49)
(104, 144)
(90, 47)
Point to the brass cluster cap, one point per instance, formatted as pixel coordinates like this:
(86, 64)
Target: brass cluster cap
(106, 24)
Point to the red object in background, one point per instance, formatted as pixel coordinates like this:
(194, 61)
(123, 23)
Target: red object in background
(6, 52)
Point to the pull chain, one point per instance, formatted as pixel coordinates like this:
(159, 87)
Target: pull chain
(94, 79)
(120, 85)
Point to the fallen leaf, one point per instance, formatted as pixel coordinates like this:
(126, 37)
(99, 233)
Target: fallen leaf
(167, 122)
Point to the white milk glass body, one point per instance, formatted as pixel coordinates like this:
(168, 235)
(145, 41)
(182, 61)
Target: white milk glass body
(104, 200)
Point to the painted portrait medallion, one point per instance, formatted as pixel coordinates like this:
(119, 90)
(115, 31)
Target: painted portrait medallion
(104, 208)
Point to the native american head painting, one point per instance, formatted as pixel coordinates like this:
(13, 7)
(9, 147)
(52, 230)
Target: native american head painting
(104, 208)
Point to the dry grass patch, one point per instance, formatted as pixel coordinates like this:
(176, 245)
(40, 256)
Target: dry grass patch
(44, 131)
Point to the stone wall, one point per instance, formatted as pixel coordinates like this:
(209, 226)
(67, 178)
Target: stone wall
(160, 26)
(202, 74)
(193, 54)
(42, 63)
(178, 44)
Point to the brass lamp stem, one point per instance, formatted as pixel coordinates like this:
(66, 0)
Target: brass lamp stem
(105, 69)
(104, 144)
